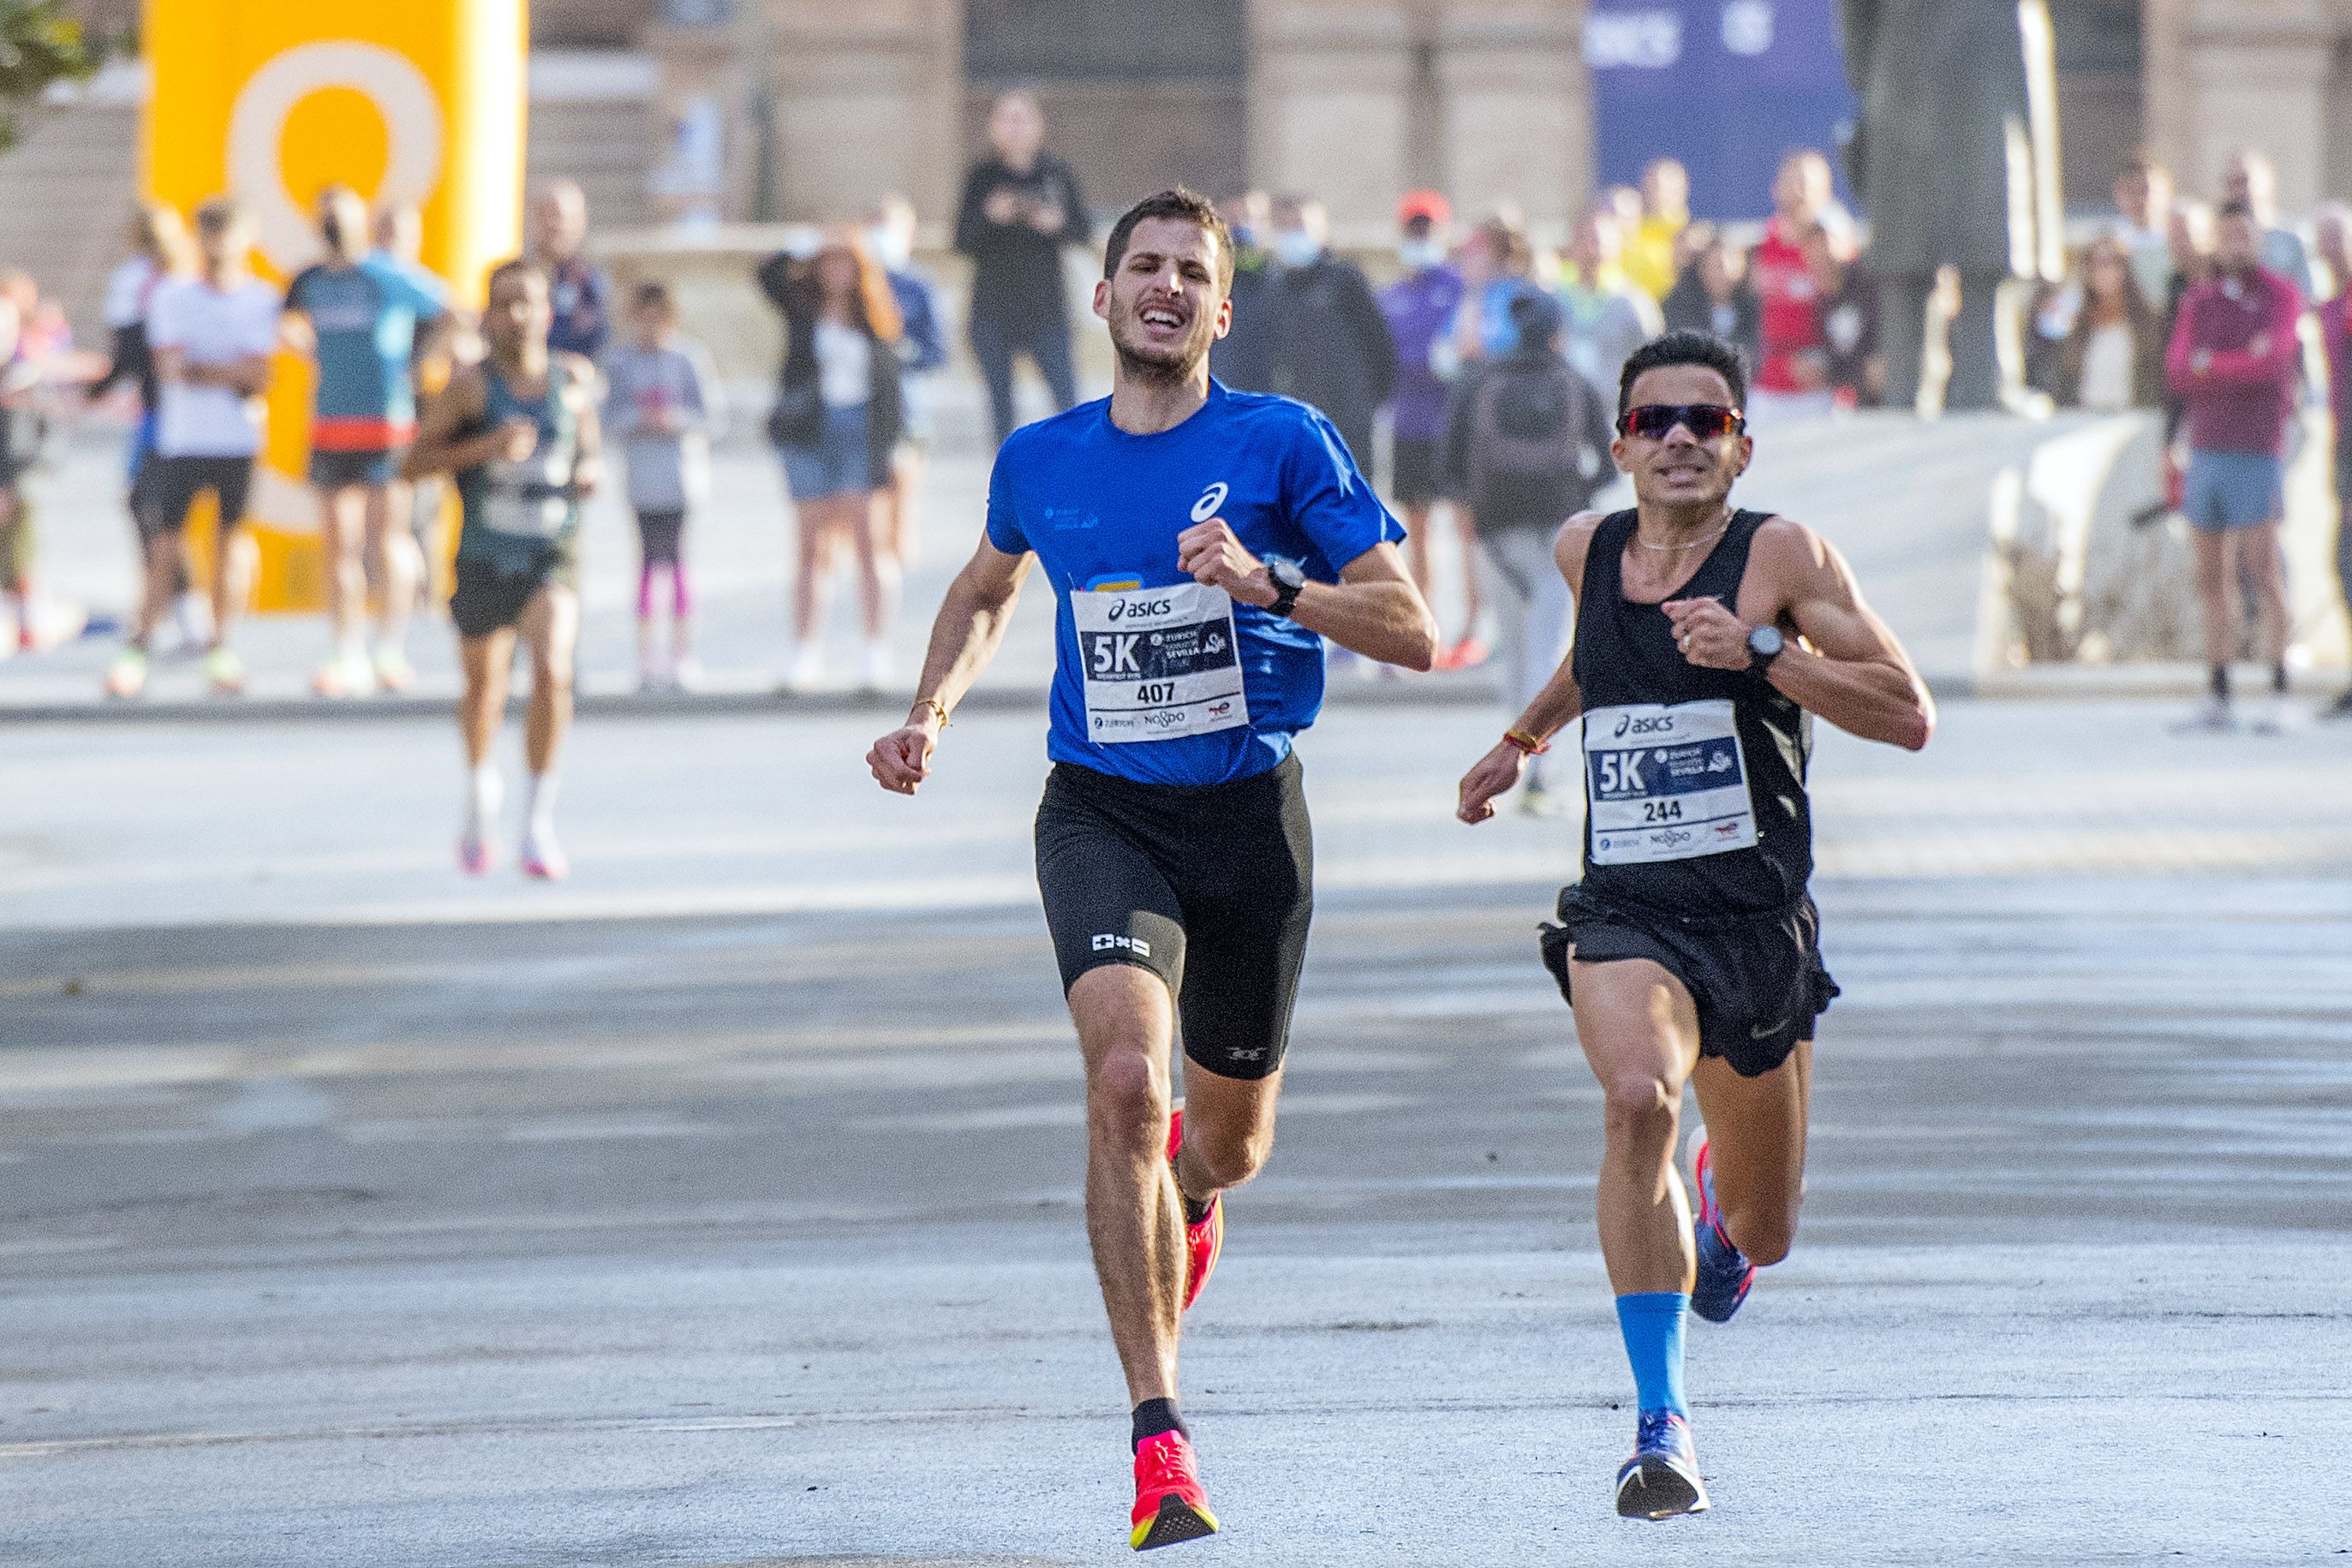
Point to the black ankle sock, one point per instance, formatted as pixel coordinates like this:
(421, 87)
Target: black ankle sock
(2278, 679)
(1154, 1416)
(1195, 1212)
(2221, 679)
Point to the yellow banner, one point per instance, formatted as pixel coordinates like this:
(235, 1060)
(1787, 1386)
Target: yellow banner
(416, 101)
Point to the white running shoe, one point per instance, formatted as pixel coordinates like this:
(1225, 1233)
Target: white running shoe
(346, 675)
(393, 672)
(542, 858)
(685, 674)
(127, 676)
(876, 674)
(2277, 714)
(224, 672)
(806, 672)
(2213, 716)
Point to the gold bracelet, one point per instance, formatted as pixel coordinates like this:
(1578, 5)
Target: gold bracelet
(933, 704)
(1528, 745)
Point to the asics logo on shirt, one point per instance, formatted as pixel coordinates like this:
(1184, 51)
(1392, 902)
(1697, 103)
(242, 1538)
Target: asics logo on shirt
(1628, 725)
(1211, 499)
(1140, 609)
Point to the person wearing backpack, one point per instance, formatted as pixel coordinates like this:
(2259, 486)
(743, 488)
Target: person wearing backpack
(1527, 448)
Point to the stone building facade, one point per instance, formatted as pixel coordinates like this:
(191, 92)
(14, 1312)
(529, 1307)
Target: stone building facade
(804, 109)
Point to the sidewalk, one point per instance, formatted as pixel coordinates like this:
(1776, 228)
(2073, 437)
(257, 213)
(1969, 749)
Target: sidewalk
(1903, 501)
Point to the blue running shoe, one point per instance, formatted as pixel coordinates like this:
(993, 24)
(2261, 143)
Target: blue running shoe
(1661, 1479)
(1723, 1271)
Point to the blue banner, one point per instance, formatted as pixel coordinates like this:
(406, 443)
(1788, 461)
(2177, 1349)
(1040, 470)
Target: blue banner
(1729, 87)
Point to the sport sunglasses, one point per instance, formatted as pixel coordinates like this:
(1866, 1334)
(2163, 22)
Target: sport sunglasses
(1652, 421)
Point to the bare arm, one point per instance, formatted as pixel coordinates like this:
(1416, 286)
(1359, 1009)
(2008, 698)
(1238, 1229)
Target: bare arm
(964, 637)
(585, 385)
(1373, 609)
(1553, 709)
(1844, 665)
(247, 376)
(440, 447)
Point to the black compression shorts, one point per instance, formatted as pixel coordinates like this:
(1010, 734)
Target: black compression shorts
(1756, 980)
(1209, 887)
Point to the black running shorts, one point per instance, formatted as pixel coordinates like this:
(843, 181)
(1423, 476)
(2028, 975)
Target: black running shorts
(1756, 980)
(1415, 470)
(170, 485)
(1209, 887)
(490, 596)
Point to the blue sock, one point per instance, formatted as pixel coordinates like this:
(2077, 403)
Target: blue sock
(1652, 1323)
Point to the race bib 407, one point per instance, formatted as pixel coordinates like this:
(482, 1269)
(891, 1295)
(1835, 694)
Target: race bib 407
(1159, 662)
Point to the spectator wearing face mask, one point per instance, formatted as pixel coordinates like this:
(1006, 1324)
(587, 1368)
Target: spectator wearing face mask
(1242, 360)
(1418, 306)
(922, 352)
(1331, 344)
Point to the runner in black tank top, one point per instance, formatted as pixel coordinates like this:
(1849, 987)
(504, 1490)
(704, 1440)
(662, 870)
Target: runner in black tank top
(1707, 640)
(518, 433)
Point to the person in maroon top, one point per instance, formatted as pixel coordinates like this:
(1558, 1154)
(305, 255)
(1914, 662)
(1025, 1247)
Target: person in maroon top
(2332, 230)
(1792, 375)
(2235, 360)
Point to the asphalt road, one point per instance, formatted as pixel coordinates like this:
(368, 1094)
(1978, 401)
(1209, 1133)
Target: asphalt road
(722, 1207)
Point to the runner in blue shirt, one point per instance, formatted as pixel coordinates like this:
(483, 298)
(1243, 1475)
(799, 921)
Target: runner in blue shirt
(1202, 544)
(358, 316)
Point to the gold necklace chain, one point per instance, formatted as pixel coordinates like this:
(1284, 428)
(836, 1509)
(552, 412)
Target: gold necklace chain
(1693, 544)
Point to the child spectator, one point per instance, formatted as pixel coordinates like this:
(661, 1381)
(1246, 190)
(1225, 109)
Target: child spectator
(664, 408)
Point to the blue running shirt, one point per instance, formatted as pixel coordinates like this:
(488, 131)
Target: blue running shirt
(1161, 687)
(366, 317)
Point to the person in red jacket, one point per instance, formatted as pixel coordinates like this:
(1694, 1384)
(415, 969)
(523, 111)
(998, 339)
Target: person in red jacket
(1793, 374)
(2235, 360)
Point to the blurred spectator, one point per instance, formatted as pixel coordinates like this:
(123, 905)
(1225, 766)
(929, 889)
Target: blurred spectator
(358, 317)
(1847, 303)
(2250, 177)
(160, 248)
(213, 336)
(922, 352)
(1792, 373)
(2235, 360)
(16, 444)
(1331, 343)
(1418, 306)
(1526, 446)
(2112, 356)
(2332, 231)
(836, 424)
(578, 292)
(2188, 240)
(1606, 317)
(1498, 266)
(1652, 261)
(664, 409)
(1021, 206)
(1243, 357)
(2142, 192)
(1713, 294)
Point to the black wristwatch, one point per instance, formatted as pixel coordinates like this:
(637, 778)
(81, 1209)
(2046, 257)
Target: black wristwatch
(1764, 646)
(1289, 582)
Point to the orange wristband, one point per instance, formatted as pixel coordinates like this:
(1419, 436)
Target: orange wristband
(1525, 743)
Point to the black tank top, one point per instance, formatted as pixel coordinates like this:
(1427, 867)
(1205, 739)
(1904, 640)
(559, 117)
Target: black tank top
(1694, 778)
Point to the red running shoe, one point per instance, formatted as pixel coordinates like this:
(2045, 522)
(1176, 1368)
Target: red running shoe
(1203, 1241)
(1169, 1505)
